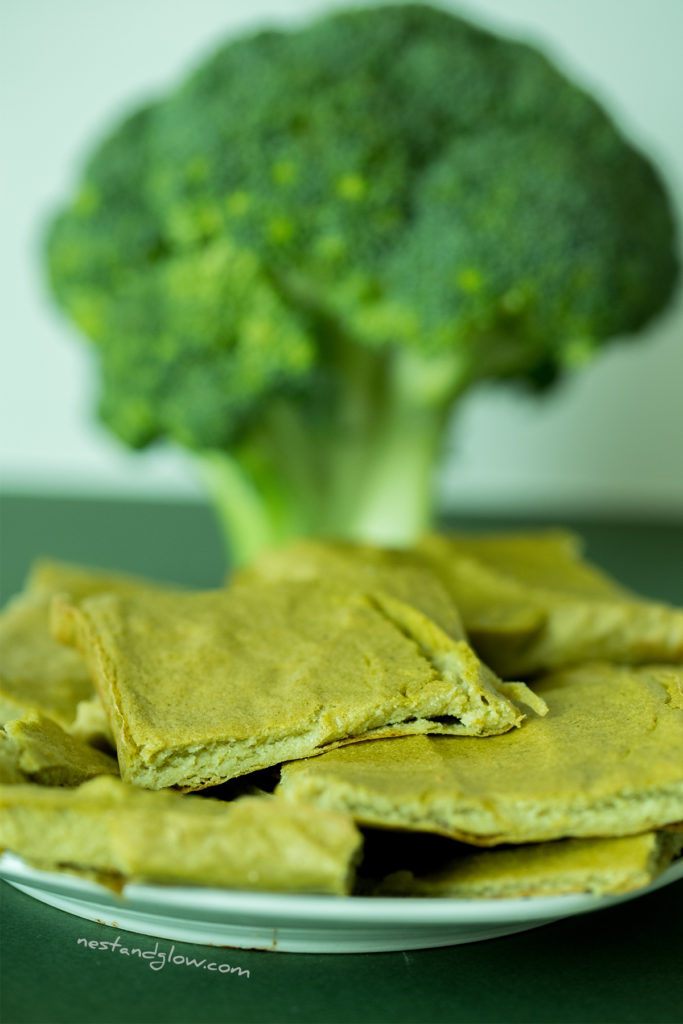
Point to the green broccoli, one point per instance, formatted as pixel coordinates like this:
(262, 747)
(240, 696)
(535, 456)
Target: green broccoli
(297, 262)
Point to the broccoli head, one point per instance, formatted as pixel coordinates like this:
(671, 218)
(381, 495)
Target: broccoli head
(295, 263)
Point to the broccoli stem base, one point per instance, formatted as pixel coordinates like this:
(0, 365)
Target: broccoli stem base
(395, 502)
(366, 477)
(247, 522)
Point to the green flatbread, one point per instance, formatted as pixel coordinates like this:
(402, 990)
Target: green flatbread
(530, 604)
(10, 772)
(48, 576)
(36, 672)
(606, 761)
(108, 826)
(599, 866)
(403, 575)
(203, 687)
(36, 749)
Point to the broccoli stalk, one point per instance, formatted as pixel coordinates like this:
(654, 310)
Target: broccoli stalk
(297, 262)
(361, 470)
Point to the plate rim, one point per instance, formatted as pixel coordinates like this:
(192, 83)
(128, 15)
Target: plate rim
(314, 908)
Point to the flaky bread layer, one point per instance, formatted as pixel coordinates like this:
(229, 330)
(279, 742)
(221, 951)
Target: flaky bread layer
(498, 821)
(204, 765)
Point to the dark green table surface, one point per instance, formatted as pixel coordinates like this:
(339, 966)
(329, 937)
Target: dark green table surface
(621, 964)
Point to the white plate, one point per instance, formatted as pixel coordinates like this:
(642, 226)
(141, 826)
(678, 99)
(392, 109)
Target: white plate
(302, 924)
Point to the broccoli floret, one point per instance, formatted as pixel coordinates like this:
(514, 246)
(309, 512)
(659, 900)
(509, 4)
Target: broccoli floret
(295, 264)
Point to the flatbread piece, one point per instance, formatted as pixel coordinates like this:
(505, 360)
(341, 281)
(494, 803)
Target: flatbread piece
(199, 688)
(402, 574)
(36, 672)
(36, 749)
(600, 866)
(606, 761)
(108, 826)
(531, 604)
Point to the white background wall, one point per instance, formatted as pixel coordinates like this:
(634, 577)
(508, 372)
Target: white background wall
(611, 438)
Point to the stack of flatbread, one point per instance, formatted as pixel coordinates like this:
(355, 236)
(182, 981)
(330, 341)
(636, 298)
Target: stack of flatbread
(483, 716)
